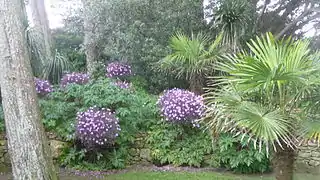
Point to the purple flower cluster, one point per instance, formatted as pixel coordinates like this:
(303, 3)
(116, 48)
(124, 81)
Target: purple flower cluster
(118, 69)
(43, 87)
(76, 78)
(181, 106)
(123, 84)
(97, 127)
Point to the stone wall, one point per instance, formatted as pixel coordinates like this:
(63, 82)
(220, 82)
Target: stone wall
(308, 159)
(139, 152)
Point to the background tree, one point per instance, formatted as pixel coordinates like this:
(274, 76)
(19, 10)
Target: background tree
(29, 152)
(249, 17)
(192, 58)
(268, 96)
(41, 31)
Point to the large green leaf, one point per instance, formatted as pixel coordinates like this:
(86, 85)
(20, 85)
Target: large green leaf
(265, 92)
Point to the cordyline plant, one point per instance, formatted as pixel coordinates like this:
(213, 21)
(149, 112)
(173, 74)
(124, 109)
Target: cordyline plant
(270, 95)
(97, 128)
(118, 69)
(181, 106)
(74, 78)
(43, 87)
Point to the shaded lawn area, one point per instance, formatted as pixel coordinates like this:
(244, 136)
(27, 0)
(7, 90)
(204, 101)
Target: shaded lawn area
(196, 176)
(180, 176)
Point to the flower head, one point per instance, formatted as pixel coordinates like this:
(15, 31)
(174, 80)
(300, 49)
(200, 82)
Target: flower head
(118, 69)
(181, 106)
(43, 87)
(97, 127)
(123, 84)
(74, 78)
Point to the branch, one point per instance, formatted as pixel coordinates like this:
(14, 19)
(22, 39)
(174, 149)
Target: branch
(285, 29)
(266, 2)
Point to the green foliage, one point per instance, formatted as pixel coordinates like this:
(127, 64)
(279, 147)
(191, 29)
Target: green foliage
(236, 19)
(261, 93)
(139, 31)
(35, 45)
(69, 44)
(136, 111)
(240, 156)
(178, 145)
(2, 123)
(193, 56)
(54, 69)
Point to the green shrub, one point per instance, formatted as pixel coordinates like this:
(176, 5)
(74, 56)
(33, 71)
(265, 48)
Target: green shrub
(136, 111)
(178, 144)
(240, 156)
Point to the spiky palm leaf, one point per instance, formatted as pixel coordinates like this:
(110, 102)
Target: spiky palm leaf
(55, 68)
(262, 91)
(191, 56)
(35, 46)
(233, 18)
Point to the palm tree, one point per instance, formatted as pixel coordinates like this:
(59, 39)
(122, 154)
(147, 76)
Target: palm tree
(270, 95)
(236, 19)
(192, 58)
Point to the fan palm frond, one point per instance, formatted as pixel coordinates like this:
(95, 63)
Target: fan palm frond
(262, 91)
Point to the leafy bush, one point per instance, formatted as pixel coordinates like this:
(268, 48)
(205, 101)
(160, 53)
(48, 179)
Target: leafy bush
(74, 78)
(240, 156)
(118, 69)
(181, 106)
(179, 145)
(136, 111)
(97, 128)
(43, 87)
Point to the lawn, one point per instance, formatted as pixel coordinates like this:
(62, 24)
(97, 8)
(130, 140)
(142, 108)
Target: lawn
(191, 176)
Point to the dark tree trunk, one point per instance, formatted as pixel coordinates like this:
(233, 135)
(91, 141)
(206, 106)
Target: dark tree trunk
(283, 163)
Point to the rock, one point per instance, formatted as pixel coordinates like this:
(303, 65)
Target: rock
(57, 147)
(315, 154)
(145, 154)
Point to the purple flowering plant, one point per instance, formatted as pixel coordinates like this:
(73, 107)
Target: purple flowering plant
(181, 106)
(118, 69)
(43, 87)
(74, 78)
(123, 84)
(97, 127)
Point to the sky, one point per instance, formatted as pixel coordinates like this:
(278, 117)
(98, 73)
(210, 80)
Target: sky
(56, 8)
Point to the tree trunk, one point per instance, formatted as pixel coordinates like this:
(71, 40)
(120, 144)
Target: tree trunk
(90, 43)
(28, 147)
(42, 30)
(283, 163)
(196, 84)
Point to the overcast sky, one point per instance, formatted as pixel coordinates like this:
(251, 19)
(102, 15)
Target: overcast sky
(56, 8)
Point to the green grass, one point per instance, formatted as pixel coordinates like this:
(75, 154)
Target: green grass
(195, 176)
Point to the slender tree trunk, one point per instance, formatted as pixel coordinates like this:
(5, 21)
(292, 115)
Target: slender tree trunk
(284, 163)
(196, 84)
(28, 147)
(42, 30)
(90, 43)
